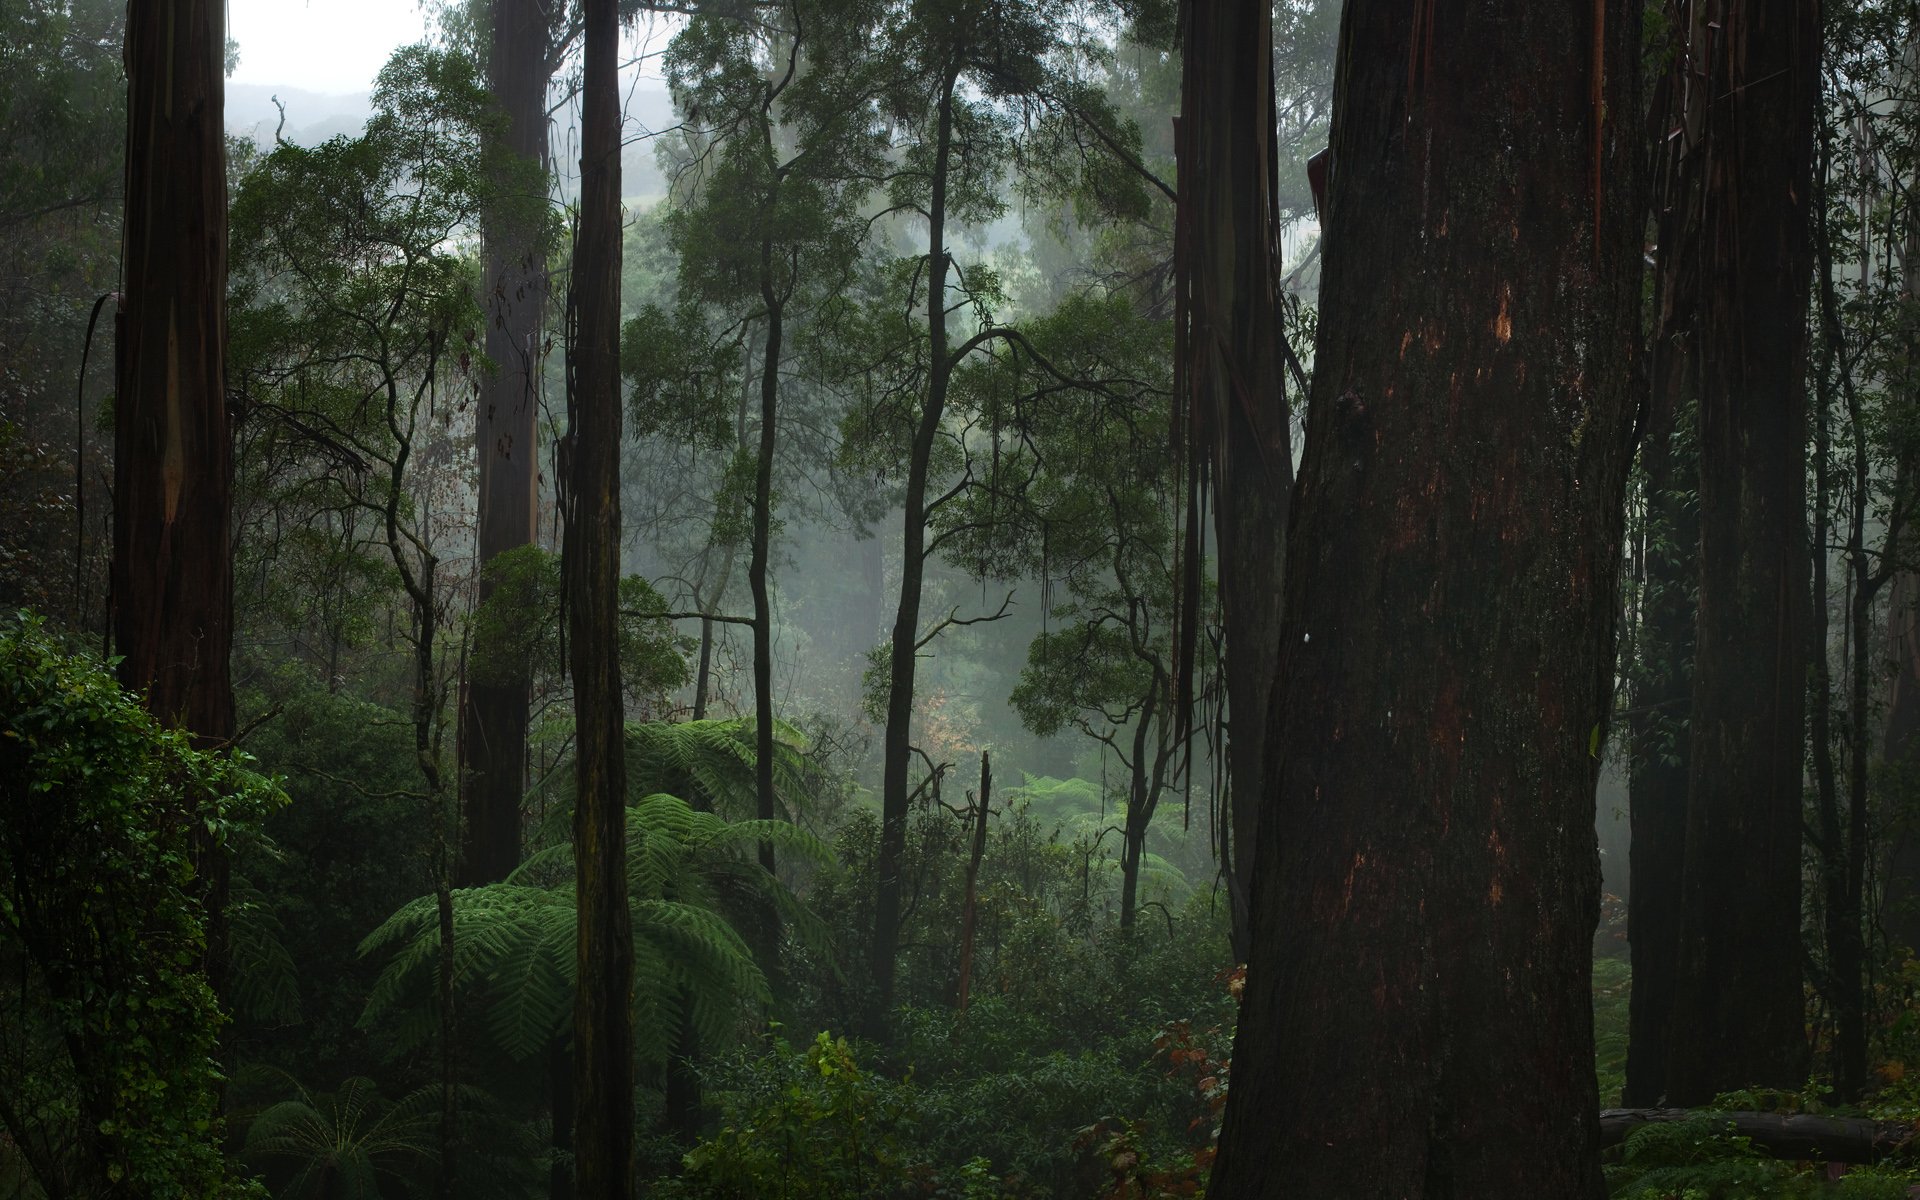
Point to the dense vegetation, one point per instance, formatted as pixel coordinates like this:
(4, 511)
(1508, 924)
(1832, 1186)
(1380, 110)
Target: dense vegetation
(817, 678)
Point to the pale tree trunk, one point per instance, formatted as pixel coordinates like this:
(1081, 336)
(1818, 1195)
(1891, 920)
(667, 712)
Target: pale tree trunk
(493, 717)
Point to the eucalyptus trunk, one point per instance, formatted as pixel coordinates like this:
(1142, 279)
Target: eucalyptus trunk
(1739, 1012)
(1234, 361)
(1418, 1000)
(172, 566)
(603, 997)
(493, 717)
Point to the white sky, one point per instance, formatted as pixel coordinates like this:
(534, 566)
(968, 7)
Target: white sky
(320, 45)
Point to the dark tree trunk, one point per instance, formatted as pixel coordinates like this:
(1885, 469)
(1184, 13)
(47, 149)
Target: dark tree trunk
(172, 569)
(1738, 1017)
(897, 747)
(757, 564)
(603, 1002)
(173, 455)
(1842, 837)
(970, 902)
(1418, 1000)
(1669, 573)
(1234, 362)
(493, 717)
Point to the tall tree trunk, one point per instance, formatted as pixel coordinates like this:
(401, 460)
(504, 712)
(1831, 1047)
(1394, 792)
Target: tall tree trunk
(897, 746)
(172, 568)
(1738, 1017)
(1234, 362)
(757, 565)
(1447, 645)
(603, 1000)
(493, 717)
(1669, 562)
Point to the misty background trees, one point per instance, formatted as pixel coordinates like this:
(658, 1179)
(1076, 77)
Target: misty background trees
(713, 602)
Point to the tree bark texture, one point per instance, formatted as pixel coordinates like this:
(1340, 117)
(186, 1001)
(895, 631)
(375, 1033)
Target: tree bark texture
(493, 717)
(1235, 370)
(603, 1000)
(1662, 698)
(173, 454)
(1739, 1013)
(1427, 882)
(172, 565)
(761, 551)
(897, 745)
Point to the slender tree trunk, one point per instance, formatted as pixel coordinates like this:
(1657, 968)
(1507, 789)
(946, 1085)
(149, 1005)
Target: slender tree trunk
(898, 748)
(1738, 1017)
(1447, 647)
(1663, 693)
(603, 1002)
(1234, 360)
(1844, 840)
(493, 716)
(757, 566)
(969, 910)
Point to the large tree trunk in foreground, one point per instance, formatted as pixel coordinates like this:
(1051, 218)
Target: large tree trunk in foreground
(1234, 363)
(1418, 1000)
(603, 1001)
(173, 455)
(493, 716)
(172, 566)
(1739, 1013)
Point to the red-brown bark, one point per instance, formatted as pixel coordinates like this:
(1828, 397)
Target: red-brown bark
(173, 454)
(1418, 999)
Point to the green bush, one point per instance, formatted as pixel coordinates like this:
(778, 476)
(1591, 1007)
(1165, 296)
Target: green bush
(111, 1085)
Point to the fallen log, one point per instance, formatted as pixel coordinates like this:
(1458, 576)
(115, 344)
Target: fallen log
(1781, 1135)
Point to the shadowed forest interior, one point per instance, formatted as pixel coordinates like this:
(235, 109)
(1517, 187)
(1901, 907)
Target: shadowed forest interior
(1083, 599)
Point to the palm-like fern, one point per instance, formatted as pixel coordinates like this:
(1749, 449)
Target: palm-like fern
(344, 1142)
(691, 883)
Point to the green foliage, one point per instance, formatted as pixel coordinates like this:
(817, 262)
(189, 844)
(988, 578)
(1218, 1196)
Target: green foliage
(111, 1026)
(1698, 1159)
(806, 1124)
(711, 763)
(1612, 988)
(516, 630)
(341, 1145)
(692, 884)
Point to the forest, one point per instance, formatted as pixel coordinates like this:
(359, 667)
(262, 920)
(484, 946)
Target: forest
(969, 599)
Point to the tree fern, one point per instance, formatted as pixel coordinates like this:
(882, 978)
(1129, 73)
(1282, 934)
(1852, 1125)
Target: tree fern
(514, 941)
(341, 1144)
